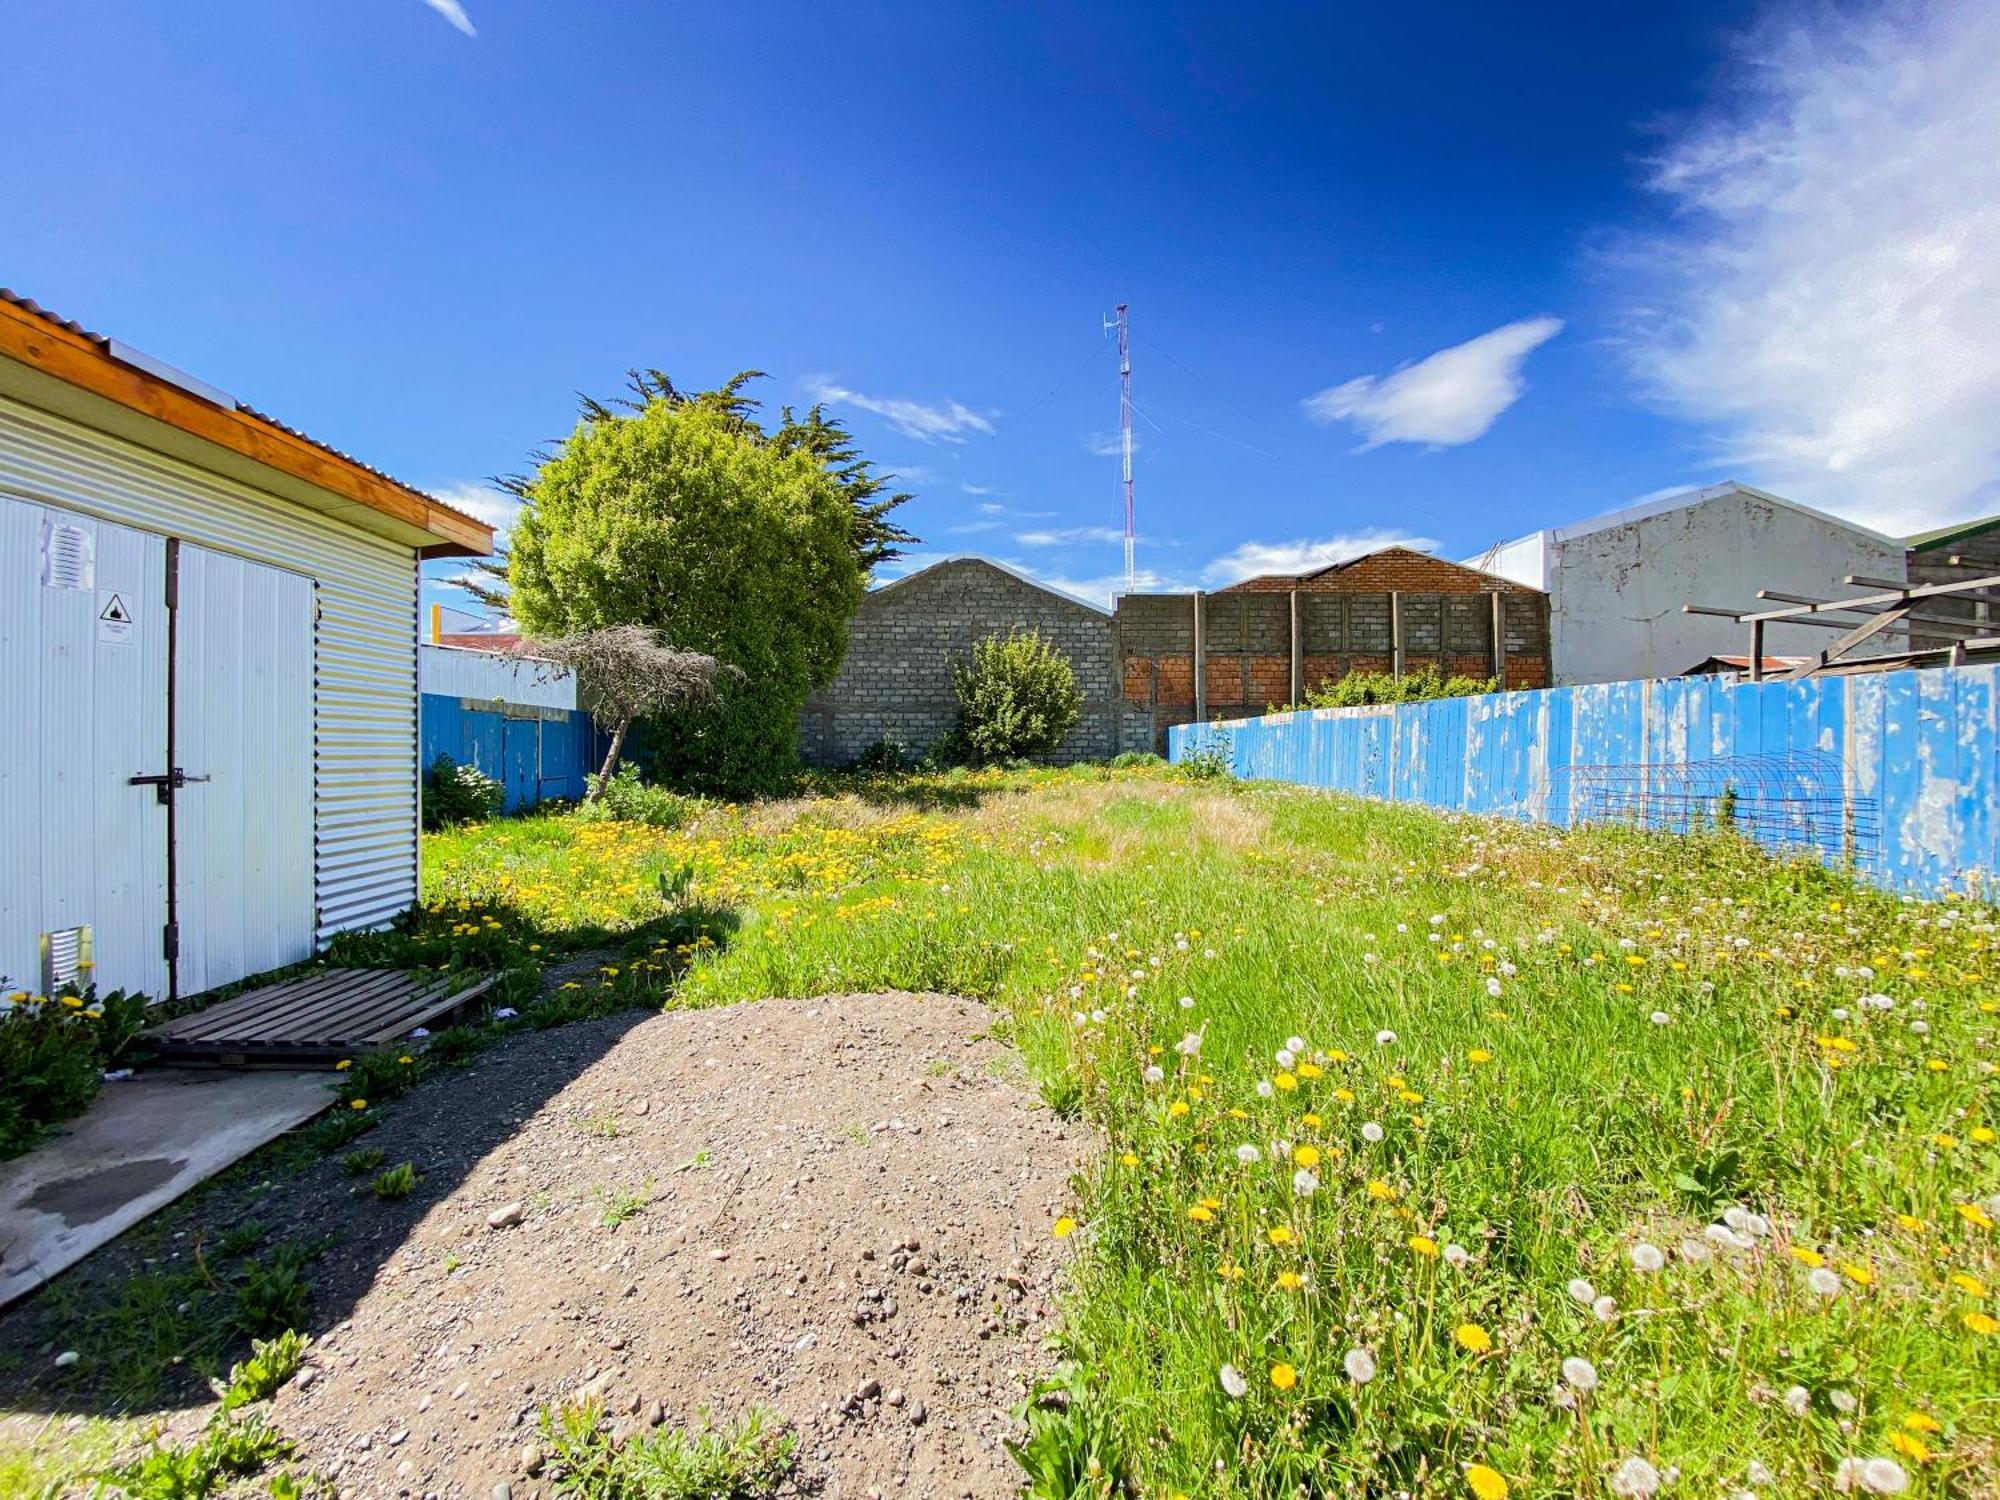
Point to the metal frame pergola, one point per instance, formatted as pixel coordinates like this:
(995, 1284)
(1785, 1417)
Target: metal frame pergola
(1892, 606)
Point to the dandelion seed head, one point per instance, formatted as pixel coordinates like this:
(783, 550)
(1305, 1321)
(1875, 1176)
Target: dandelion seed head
(1359, 1365)
(1580, 1373)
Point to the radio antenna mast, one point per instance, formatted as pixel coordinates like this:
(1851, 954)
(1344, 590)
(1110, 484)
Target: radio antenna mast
(1125, 435)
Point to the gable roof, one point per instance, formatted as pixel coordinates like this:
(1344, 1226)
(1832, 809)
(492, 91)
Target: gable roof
(1687, 499)
(128, 382)
(1264, 581)
(999, 567)
(1944, 536)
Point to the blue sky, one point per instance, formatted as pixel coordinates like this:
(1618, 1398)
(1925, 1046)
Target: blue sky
(1446, 273)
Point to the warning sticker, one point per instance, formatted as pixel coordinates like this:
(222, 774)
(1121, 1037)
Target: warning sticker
(115, 625)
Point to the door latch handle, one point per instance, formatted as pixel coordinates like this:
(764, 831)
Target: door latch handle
(165, 786)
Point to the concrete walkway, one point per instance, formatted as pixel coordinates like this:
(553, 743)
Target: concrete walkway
(142, 1144)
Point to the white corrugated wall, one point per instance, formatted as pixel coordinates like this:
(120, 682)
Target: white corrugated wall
(456, 672)
(364, 649)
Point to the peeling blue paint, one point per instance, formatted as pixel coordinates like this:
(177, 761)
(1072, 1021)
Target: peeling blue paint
(1897, 769)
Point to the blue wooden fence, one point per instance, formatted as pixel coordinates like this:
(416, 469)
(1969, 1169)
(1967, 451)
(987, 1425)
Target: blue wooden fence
(1894, 772)
(535, 753)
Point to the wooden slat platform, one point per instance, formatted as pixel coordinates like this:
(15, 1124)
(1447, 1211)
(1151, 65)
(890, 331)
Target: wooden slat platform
(313, 1020)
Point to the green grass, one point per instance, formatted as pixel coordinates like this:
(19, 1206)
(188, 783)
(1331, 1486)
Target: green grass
(1530, 1138)
(741, 1462)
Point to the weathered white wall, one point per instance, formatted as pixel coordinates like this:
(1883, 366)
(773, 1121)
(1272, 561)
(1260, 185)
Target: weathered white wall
(1524, 560)
(1616, 591)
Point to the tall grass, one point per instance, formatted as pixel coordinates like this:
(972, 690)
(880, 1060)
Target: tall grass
(1446, 1156)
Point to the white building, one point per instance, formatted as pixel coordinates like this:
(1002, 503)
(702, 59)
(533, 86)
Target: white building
(208, 636)
(1616, 583)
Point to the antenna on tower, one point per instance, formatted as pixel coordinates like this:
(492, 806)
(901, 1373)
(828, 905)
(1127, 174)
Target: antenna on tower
(1125, 434)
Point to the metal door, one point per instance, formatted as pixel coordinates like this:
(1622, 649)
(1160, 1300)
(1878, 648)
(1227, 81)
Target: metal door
(242, 713)
(83, 670)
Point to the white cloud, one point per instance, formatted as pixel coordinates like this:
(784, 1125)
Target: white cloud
(1828, 298)
(1108, 444)
(972, 528)
(482, 502)
(1253, 559)
(992, 508)
(1101, 590)
(1451, 397)
(1069, 536)
(926, 421)
(453, 12)
(977, 489)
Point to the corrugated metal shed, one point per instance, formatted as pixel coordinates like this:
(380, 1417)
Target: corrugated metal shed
(364, 648)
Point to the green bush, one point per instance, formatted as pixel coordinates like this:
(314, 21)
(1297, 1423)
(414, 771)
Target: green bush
(627, 799)
(1127, 760)
(675, 516)
(885, 755)
(53, 1053)
(1017, 698)
(1358, 689)
(455, 794)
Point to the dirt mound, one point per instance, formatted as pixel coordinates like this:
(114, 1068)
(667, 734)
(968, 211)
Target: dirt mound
(837, 1209)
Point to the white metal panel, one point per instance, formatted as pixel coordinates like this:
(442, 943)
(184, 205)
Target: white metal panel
(79, 845)
(458, 672)
(243, 838)
(365, 657)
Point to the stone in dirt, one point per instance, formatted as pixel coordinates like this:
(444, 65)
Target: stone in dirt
(506, 1215)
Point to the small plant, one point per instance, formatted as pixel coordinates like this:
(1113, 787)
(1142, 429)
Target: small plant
(451, 1262)
(361, 1163)
(53, 1053)
(624, 1204)
(627, 799)
(455, 794)
(886, 755)
(274, 1294)
(1072, 1449)
(604, 1126)
(1208, 761)
(1017, 697)
(676, 885)
(272, 1362)
(1127, 760)
(398, 1182)
(230, 1448)
(740, 1462)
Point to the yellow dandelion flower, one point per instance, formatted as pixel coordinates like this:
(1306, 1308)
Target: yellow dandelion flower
(1310, 1121)
(1280, 1235)
(1290, 1281)
(406, 1059)
(357, 1104)
(1936, 1065)
(1380, 1191)
(1982, 1135)
(1309, 1070)
(1859, 1275)
(1910, 1446)
(1921, 1421)
(343, 1065)
(1974, 1215)
(1471, 1336)
(1972, 1286)
(1306, 1156)
(1912, 1223)
(1944, 1140)
(1807, 1257)
(1128, 1159)
(1285, 1083)
(1200, 1214)
(1983, 1324)
(1284, 1377)
(1178, 1108)
(1345, 1096)
(1476, 1057)
(1424, 1245)
(1485, 1483)
(1063, 1228)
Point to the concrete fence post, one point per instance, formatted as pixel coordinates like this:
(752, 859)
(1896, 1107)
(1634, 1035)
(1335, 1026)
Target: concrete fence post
(1298, 655)
(1395, 633)
(1200, 664)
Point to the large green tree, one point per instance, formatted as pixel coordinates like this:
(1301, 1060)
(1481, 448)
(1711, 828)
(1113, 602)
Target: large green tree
(667, 513)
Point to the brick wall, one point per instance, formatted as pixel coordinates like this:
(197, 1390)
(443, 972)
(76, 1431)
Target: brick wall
(896, 679)
(1345, 625)
(1137, 671)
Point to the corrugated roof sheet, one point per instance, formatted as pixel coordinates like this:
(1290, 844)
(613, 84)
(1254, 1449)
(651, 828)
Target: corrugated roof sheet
(1930, 541)
(34, 308)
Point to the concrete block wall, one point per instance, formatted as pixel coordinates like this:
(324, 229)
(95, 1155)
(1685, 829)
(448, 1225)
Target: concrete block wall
(896, 679)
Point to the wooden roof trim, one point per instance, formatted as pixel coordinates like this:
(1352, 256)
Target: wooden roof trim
(76, 359)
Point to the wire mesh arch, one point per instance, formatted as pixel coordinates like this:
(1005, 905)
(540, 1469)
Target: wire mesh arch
(1788, 800)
